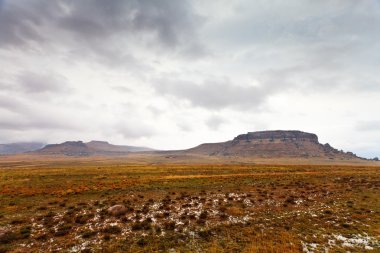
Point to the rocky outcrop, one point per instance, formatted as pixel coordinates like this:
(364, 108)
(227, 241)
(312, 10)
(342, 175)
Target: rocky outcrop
(277, 135)
(117, 210)
(272, 144)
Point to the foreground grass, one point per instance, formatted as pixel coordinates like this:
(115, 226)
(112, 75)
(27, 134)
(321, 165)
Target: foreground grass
(62, 207)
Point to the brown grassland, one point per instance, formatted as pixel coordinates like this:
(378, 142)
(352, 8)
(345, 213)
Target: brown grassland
(61, 206)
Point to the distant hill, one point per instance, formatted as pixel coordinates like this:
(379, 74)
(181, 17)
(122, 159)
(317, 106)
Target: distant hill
(105, 146)
(79, 148)
(19, 148)
(264, 144)
(272, 144)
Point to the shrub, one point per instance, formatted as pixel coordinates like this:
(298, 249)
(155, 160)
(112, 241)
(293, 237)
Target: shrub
(125, 219)
(142, 242)
(17, 221)
(146, 224)
(158, 229)
(136, 226)
(25, 232)
(112, 230)
(67, 218)
(205, 234)
(88, 234)
(63, 230)
(290, 200)
(169, 225)
(5, 248)
(203, 215)
(80, 219)
(223, 216)
(42, 237)
(8, 237)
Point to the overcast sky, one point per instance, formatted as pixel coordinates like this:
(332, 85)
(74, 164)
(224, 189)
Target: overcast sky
(173, 74)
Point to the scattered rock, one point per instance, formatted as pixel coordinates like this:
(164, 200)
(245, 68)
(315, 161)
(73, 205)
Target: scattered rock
(7, 236)
(117, 210)
(2, 233)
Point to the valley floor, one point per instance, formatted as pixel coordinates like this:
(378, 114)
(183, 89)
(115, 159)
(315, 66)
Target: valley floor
(62, 207)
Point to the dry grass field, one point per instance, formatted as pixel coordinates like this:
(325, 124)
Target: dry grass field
(62, 206)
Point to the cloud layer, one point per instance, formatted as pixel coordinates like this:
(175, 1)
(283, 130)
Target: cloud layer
(173, 74)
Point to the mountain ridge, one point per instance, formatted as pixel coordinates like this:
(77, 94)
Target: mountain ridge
(274, 143)
(259, 144)
(80, 148)
(19, 147)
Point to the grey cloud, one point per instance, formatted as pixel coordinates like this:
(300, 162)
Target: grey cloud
(184, 126)
(6, 86)
(29, 123)
(13, 104)
(155, 110)
(324, 44)
(21, 114)
(97, 26)
(300, 21)
(213, 94)
(372, 126)
(134, 130)
(214, 122)
(41, 83)
(20, 21)
(122, 89)
(153, 52)
(318, 77)
(34, 120)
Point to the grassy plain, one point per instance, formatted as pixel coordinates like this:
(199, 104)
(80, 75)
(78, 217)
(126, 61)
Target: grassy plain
(61, 206)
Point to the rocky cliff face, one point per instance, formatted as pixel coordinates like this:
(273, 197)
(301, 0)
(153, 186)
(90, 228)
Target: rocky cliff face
(274, 144)
(277, 135)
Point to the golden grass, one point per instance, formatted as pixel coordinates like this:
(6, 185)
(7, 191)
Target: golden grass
(235, 211)
(284, 242)
(285, 205)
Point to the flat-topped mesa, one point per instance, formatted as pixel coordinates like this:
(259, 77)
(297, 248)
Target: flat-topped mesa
(70, 148)
(68, 144)
(99, 142)
(272, 144)
(281, 135)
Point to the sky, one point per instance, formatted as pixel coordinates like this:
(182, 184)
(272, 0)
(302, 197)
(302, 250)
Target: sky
(173, 74)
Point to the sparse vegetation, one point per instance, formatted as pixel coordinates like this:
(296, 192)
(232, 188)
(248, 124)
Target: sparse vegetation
(190, 208)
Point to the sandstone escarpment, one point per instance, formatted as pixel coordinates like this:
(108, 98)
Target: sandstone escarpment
(272, 144)
(277, 135)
